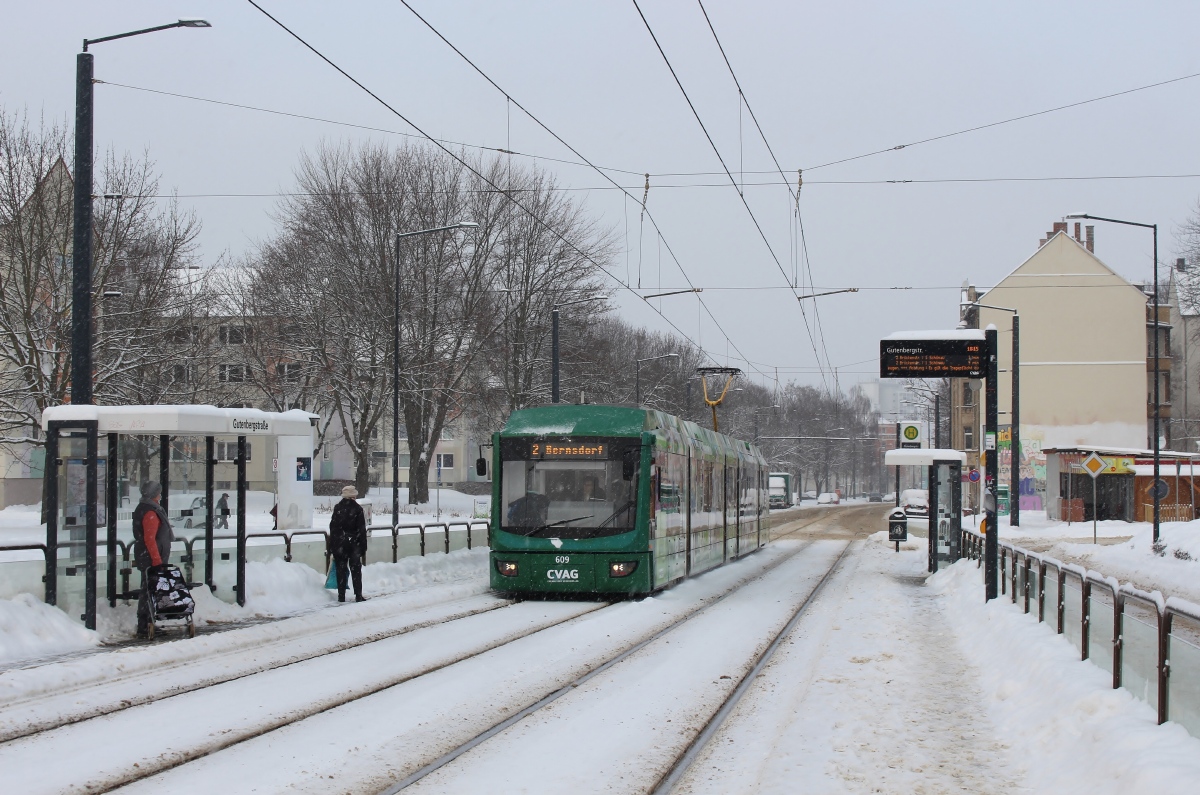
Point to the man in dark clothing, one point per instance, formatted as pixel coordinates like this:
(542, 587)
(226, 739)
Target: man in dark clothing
(223, 512)
(152, 539)
(348, 542)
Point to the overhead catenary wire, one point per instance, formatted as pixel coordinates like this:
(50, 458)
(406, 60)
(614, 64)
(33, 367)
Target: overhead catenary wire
(579, 155)
(457, 158)
(799, 178)
(713, 145)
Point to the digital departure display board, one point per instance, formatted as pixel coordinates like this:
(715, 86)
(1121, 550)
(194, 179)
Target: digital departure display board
(932, 358)
(552, 449)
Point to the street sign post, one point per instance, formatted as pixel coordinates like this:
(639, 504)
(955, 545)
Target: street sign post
(1094, 465)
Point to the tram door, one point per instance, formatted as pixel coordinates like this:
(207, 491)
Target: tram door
(945, 512)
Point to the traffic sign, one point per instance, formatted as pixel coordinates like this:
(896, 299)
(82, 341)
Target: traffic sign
(1161, 489)
(1094, 465)
(973, 476)
(910, 435)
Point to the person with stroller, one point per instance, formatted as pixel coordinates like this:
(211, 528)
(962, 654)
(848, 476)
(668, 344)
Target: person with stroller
(348, 543)
(152, 539)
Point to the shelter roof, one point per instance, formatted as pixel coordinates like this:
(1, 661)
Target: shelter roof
(922, 456)
(185, 420)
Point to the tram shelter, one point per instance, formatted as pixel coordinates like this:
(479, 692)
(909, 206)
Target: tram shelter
(84, 448)
(945, 497)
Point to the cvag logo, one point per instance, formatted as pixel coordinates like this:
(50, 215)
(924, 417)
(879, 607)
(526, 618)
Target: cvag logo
(562, 574)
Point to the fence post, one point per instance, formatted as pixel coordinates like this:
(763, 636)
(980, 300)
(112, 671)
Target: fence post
(1028, 568)
(446, 527)
(1003, 568)
(1164, 666)
(395, 543)
(422, 539)
(1041, 591)
(1085, 589)
(287, 548)
(1118, 636)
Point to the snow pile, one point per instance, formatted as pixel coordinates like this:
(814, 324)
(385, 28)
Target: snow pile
(32, 628)
(22, 524)
(1126, 550)
(1058, 715)
(462, 565)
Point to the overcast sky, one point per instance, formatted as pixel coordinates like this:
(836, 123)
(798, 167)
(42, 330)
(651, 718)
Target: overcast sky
(826, 80)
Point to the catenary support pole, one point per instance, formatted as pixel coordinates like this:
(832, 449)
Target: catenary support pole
(210, 461)
(81, 255)
(396, 395)
(90, 534)
(1014, 495)
(1157, 401)
(992, 470)
(241, 521)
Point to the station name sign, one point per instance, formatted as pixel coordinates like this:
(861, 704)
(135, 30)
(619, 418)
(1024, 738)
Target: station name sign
(932, 358)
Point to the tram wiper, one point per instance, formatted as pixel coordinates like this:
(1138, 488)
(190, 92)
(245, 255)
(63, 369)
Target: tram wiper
(628, 504)
(559, 522)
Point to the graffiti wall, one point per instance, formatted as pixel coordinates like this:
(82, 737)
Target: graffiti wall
(1031, 463)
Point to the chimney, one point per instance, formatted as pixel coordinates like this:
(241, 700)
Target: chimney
(1091, 238)
(1059, 226)
(1077, 227)
(1041, 242)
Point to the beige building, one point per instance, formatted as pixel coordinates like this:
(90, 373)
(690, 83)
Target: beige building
(1084, 361)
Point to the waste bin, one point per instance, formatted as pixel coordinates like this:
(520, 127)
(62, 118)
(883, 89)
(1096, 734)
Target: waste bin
(898, 525)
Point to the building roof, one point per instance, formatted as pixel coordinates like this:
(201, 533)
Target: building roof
(1045, 248)
(922, 457)
(184, 420)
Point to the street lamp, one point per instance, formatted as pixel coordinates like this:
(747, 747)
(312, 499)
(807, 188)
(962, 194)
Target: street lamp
(1014, 495)
(1157, 407)
(637, 374)
(396, 362)
(554, 340)
(81, 258)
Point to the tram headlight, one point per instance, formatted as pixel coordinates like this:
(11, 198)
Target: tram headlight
(506, 568)
(622, 568)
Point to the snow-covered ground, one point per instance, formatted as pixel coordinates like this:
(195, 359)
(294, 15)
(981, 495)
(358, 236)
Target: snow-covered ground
(892, 682)
(1125, 550)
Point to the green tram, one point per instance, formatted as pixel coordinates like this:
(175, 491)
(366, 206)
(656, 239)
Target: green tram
(617, 500)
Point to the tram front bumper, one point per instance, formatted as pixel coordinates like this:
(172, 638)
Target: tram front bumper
(533, 572)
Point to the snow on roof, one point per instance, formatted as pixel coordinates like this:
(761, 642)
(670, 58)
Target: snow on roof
(1130, 452)
(938, 334)
(922, 457)
(185, 420)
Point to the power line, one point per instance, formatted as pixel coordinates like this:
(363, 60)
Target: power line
(579, 155)
(480, 176)
(795, 195)
(711, 143)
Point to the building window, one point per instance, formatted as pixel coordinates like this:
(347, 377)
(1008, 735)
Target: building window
(181, 374)
(288, 373)
(231, 373)
(405, 460)
(968, 396)
(184, 335)
(968, 438)
(236, 335)
(227, 451)
(445, 460)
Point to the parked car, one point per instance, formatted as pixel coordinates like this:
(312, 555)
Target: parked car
(874, 497)
(828, 498)
(915, 502)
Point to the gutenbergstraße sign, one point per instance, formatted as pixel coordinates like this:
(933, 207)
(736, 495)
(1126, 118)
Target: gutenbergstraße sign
(933, 354)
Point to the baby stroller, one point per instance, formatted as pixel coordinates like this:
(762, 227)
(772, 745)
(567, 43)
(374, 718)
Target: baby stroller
(170, 601)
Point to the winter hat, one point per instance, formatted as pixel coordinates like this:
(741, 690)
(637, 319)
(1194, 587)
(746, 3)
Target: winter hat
(349, 492)
(151, 489)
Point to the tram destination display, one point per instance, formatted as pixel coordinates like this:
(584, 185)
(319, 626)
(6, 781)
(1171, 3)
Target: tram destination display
(931, 358)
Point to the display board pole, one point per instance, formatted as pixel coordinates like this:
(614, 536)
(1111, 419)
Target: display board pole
(991, 470)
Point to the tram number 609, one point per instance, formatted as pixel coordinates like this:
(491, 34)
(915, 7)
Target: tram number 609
(562, 558)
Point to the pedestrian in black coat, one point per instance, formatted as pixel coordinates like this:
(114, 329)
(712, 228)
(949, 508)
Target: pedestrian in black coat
(348, 542)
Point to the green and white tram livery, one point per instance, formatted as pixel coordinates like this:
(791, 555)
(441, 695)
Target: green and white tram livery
(616, 500)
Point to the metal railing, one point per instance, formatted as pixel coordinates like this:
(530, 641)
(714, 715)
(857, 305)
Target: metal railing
(1118, 627)
(426, 531)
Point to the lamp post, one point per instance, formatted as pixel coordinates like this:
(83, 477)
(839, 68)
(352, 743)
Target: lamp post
(554, 340)
(1154, 492)
(396, 362)
(81, 243)
(1014, 496)
(637, 374)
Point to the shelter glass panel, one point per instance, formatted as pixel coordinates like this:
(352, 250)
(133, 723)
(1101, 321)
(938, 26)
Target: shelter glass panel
(1100, 647)
(1073, 613)
(1139, 658)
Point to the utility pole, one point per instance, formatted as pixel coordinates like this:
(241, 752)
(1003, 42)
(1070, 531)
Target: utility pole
(991, 470)
(1014, 496)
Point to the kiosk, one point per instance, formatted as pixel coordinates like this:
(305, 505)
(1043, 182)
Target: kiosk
(84, 449)
(945, 497)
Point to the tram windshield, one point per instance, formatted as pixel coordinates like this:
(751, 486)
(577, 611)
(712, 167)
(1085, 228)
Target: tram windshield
(568, 488)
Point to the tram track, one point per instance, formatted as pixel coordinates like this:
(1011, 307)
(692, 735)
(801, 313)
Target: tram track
(548, 699)
(227, 739)
(19, 718)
